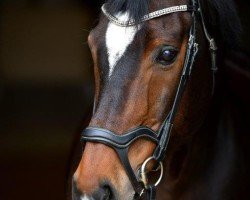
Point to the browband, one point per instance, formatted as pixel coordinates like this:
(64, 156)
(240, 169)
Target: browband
(152, 15)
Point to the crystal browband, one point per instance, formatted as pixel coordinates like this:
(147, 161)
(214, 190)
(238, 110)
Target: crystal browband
(152, 15)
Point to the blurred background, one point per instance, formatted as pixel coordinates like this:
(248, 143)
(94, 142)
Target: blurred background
(46, 90)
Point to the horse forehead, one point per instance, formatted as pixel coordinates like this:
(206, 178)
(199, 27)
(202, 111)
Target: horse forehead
(118, 39)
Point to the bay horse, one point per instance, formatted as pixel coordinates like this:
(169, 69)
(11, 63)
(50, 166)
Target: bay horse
(154, 66)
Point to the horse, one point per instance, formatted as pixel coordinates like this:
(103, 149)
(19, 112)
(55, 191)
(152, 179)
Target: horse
(158, 117)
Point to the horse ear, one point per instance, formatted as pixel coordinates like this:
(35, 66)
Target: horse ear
(223, 15)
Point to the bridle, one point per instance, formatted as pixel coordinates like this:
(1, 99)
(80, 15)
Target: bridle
(121, 143)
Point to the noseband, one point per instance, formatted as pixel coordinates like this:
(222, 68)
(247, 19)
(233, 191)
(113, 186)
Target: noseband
(121, 143)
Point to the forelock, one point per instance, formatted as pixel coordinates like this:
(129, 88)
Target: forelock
(136, 8)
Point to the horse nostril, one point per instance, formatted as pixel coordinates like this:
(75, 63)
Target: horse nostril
(104, 193)
(107, 193)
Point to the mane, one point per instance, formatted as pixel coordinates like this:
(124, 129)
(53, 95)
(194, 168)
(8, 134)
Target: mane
(221, 17)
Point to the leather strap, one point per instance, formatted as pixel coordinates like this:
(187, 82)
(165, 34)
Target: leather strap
(123, 155)
(151, 192)
(119, 141)
(165, 130)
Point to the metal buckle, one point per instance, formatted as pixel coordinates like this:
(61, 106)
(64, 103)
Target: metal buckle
(143, 173)
(212, 45)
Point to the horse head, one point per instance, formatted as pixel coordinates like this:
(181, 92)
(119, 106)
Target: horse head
(140, 62)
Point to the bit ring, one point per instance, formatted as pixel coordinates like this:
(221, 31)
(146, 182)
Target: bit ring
(144, 178)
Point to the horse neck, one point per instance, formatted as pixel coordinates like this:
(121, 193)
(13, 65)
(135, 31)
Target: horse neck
(209, 165)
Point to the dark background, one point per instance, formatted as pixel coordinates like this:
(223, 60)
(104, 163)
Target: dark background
(46, 89)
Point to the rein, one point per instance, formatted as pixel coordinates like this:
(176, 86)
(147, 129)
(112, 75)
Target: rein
(121, 143)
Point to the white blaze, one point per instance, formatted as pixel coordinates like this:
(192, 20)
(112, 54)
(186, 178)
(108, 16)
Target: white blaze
(118, 39)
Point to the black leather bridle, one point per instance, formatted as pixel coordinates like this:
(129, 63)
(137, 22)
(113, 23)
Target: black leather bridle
(121, 143)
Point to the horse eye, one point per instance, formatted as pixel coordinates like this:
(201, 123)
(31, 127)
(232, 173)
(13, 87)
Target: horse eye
(167, 56)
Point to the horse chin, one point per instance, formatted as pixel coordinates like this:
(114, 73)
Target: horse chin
(130, 196)
(126, 196)
(123, 193)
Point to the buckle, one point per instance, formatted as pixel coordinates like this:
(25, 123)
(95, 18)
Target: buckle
(212, 45)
